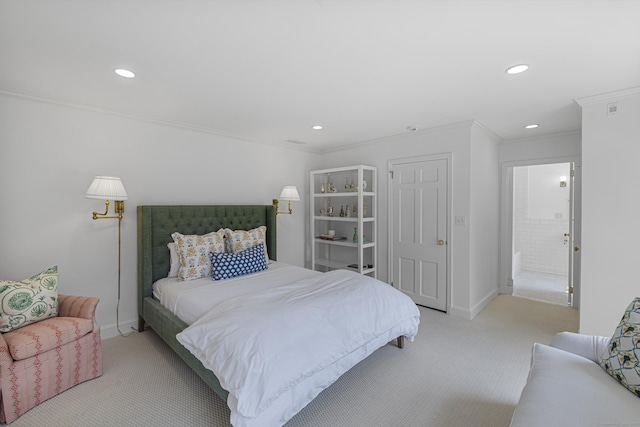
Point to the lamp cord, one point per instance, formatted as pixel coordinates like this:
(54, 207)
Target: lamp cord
(118, 303)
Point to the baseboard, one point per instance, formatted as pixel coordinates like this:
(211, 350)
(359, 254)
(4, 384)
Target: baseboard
(484, 303)
(110, 331)
(462, 313)
(475, 310)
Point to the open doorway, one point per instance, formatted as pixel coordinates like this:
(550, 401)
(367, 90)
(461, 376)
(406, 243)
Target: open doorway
(541, 230)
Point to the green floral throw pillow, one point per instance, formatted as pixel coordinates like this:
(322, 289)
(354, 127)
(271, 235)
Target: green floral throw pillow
(29, 300)
(621, 358)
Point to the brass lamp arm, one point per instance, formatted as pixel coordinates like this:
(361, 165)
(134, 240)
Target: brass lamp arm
(276, 202)
(119, 208)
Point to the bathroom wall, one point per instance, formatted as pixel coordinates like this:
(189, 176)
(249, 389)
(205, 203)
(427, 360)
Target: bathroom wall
(541, 217)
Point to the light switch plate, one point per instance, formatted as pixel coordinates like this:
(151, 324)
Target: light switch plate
(461, 220)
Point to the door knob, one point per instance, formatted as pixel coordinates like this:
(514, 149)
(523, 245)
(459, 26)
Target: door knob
(441, 242)
(576, 249)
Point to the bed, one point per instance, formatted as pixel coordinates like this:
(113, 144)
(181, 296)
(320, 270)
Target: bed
(155, 226)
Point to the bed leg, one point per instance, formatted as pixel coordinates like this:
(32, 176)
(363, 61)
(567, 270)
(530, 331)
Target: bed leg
(140, 324)
(400, 341)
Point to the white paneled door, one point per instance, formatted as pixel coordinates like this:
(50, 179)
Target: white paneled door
(418, 214)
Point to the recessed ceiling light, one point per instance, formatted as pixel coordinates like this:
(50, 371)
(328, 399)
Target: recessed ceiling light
(531, 126)
(517, 69)
(125, 73)
(316, 127)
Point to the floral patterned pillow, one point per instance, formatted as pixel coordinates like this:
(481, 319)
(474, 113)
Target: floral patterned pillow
(29, 300)
(621, 359)
(193, 251)
(240, 240)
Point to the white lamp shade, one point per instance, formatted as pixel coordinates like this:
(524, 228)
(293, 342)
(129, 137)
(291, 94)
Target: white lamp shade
(290, 192)
(106, 188)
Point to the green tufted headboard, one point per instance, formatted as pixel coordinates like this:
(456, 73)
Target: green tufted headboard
(155, 226)
(156, 223)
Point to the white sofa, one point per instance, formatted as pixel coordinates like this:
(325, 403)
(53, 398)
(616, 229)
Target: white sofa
(567, 387)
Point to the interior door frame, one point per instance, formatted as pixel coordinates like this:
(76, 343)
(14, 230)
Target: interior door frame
(506, 223)
(448, 157)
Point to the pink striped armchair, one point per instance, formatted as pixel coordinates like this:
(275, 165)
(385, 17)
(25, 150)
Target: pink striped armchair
(45, 358)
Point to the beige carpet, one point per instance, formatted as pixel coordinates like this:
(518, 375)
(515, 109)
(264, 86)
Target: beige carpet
(456, 373)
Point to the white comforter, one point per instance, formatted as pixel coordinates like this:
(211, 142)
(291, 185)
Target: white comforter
(278, 349)
(192, 299)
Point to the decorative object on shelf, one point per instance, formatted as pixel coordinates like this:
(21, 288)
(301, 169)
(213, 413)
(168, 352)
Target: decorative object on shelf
(322, 190)
(365, 209)
(289, 193)
(347, 214)
(329, 208)
(332, 238)
(356, 266)
(110, 188)
(341, 211)
(355, 209)
(322, 212)
(330, 187)
(364, 185)
(352, 187)
(355, 235)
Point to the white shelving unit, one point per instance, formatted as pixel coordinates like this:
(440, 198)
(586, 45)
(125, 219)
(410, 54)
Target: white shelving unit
(344, 200)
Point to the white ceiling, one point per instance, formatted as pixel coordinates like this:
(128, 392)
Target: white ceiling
(269, 70)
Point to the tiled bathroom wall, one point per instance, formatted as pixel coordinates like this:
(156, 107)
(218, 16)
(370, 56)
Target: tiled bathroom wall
(539, 244)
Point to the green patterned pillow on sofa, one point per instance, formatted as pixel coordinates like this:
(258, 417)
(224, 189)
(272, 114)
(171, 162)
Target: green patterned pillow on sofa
(29, 300)
(621, 359)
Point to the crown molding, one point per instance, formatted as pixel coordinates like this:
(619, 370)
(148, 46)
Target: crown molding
(577, 133)
(488, 132)
(609, 96)
(153, 120)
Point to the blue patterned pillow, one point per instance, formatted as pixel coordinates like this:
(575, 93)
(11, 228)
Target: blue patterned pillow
(622, 358)
(226, 265)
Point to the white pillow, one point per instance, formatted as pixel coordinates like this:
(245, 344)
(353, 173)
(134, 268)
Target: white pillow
(193, 251)
(175, 260)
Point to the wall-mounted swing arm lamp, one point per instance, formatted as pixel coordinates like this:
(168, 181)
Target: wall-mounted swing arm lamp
(110, 188)
(289, 193)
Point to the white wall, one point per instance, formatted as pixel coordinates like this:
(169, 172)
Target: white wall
(610, 153)
(49, 155)
(484, 226)
(540, 150)
(547, 199)
(456, 139)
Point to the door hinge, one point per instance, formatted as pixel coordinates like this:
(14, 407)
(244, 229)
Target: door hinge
(391, 172)
(570, 289)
